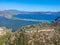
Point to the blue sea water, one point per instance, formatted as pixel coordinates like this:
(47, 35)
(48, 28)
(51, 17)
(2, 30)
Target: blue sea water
(49, 17)
(17, 24)
(14, 24)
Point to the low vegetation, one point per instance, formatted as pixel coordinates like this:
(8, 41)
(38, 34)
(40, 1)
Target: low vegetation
(36, 38)
(4, 38)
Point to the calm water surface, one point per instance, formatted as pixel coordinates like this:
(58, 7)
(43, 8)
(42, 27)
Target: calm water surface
(37, 16)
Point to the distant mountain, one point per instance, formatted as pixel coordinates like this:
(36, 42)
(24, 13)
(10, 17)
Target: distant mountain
(17, 11)
(10, 13)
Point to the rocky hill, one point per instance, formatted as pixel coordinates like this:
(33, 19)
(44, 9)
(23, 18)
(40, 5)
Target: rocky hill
(57, 20)
(57, 23)
(36, 34)
(39, 34)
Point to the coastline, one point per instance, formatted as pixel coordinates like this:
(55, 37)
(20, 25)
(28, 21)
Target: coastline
(42, 21)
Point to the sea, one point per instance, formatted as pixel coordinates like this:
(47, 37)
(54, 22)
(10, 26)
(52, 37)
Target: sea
(48, 16)
(17, 24)
(14, 24)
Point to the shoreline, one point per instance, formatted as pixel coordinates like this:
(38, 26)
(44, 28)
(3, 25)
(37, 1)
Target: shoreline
(14, 18)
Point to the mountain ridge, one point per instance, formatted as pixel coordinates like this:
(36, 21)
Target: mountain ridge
(10, 13)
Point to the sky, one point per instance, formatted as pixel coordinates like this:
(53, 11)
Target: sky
(30, 5)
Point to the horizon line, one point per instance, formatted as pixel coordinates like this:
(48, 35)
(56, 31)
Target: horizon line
(27, 11)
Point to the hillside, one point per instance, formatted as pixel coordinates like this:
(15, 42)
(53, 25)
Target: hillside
(57, 23)
(39, 34)
(35, 34)
(4, 35)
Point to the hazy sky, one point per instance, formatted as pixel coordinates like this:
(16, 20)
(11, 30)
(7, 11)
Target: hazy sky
(30, 5)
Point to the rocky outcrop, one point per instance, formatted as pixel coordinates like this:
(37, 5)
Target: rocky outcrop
(57, 23)
(57, 20)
